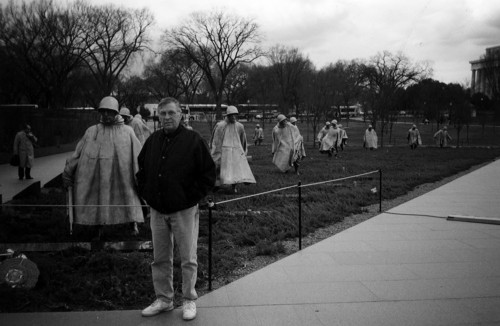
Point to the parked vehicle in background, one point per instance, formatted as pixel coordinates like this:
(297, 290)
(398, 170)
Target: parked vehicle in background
(348, 111)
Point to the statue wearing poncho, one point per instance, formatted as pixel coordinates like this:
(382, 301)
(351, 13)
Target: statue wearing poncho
(287, 146)
(228, 148)
(102, 170)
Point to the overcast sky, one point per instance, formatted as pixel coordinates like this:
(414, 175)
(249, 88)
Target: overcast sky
(448, 33)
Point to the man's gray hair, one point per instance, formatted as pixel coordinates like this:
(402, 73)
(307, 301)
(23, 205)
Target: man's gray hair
(168, 100)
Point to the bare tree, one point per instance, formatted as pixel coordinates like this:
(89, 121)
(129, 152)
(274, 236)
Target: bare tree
(175, 75)
(236, 86)
(217, 42)
(132, 92)
(492, 72)
(262, 89)
(114, 35)
(320, 96)
(460, 109)
(188, 74)
(384, 76)
(349, 75)
(261, 85)
(44, 41)
(289, 67)
(169, 76)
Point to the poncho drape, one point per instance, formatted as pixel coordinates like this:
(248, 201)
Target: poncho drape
(414, 137)
(442, 137)
(228, 148)
(370, 139)
(322, 133)
(258, 134)
(141, 130)
(331, 139)
(287, 146)
(103, 169)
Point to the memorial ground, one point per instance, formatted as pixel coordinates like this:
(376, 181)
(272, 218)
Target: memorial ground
(77, 279)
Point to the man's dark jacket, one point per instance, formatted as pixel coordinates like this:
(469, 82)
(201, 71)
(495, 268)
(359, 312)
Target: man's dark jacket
(175, 170)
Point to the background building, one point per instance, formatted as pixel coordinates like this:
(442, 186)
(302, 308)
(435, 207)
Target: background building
(486, 73)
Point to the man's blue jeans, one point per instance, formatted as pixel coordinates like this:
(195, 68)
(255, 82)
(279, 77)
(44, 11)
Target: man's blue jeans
(183, 226)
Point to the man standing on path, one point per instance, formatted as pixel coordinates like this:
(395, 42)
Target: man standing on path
(414, 137)
(175, 172)
(101, 172)
(229, 149)
(23, 146)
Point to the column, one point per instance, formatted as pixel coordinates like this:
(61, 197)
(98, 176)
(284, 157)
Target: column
(473, 82)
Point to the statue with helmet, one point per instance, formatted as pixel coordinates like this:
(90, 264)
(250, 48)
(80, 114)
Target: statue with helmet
(332, 140)
(141, 129)
(288, 146)
(100, 174)
(228, 147)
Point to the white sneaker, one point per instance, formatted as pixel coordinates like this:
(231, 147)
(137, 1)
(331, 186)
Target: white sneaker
(188, 310)
(156, 307)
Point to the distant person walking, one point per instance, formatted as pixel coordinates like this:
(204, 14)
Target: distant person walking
(442, 137)
(176, 171)
(413, 137)
(258, 135)
(229, 149)
(24, 147)
(101, 172)
(370, 139)
(287, 147)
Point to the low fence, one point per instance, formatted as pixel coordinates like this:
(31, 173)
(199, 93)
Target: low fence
(211, 205)
(299, 186)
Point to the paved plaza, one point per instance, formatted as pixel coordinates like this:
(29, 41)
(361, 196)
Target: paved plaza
(44, 169)
(407, 266)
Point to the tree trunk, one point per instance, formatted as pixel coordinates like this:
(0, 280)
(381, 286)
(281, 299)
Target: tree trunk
(218, 107)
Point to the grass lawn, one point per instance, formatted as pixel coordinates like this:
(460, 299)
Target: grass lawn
(77, 279)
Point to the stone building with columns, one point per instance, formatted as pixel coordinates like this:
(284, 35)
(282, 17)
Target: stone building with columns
(486, 71)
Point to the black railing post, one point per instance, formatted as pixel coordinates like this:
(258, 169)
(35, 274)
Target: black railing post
(300, 214)
(210, 206)
(380, 190)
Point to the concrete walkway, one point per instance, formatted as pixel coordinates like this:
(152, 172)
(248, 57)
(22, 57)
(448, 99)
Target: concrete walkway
(408, 266)
(44, 169)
